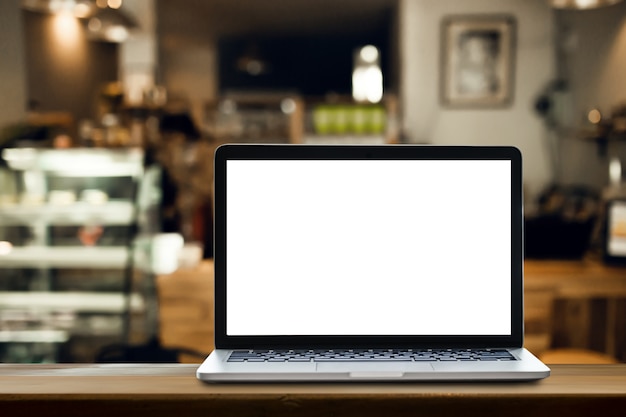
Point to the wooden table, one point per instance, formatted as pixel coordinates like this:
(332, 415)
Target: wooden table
(172, 390)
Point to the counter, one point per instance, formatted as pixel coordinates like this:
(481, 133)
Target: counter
(172, 389)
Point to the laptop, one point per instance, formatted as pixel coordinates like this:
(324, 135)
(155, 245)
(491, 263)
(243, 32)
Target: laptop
(368, 263)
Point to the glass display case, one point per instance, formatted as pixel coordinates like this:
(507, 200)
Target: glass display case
(68, 277)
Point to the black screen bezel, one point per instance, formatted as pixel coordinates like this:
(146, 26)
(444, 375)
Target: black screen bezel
(365, 152)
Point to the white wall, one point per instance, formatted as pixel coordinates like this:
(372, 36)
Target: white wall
(424, 118)
(12, 64)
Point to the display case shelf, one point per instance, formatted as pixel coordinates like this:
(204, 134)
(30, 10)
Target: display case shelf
(106, 214)
(76, 301)
(34, 336)
(65, 257)
(77, 162)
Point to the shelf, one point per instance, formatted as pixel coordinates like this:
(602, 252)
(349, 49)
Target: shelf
(80, 213)
(65, 257)
(344, 139)
(33, 336)
(77, 162)
(71, 301)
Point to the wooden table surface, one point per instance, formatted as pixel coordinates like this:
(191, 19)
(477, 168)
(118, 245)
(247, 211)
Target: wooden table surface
(172, 389)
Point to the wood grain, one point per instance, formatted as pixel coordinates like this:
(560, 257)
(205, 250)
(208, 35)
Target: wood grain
(166, 390)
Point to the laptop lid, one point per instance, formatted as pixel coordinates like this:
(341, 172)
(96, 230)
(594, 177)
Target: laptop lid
(367, 246)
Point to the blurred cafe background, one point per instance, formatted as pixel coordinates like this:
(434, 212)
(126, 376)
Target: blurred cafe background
(110, 111)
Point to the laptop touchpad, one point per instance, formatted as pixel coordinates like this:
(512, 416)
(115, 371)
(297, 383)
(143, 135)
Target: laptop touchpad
(373, 367)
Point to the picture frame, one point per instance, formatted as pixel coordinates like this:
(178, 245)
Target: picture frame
(477, 61)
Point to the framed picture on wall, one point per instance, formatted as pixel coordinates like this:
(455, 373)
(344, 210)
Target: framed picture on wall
(477, 60)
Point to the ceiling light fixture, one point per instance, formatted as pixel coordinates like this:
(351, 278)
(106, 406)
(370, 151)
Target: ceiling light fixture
(114, 4)
(110, 25)
(78, 8)
(582, 4)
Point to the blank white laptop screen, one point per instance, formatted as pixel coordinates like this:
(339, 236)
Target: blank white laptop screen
(368, 247)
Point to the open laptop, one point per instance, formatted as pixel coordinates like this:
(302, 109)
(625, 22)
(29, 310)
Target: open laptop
(368, 263)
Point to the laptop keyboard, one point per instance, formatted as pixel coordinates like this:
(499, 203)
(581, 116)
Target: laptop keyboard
(369, 355)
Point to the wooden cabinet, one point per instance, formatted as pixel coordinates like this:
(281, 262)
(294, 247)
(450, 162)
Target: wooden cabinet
(569, 304)
(588, 304)
(185, 300)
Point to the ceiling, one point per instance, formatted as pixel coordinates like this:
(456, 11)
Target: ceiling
(228, 17)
